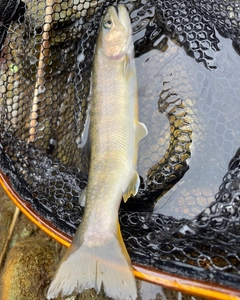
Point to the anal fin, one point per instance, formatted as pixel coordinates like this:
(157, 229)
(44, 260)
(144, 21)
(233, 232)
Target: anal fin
(133, 186)
(141, 131)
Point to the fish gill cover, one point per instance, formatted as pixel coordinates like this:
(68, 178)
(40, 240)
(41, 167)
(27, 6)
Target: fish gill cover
(45, 71)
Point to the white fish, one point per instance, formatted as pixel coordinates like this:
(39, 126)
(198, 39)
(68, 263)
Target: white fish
(98, 255)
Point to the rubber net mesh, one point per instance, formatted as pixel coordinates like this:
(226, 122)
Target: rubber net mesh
(47, 50)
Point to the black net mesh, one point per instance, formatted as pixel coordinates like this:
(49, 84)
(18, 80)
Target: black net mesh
(191, 111)
(209, 241)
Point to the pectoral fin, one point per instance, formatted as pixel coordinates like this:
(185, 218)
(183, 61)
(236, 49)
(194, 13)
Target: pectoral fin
(141, 131)
(132, 187)
(84, 140)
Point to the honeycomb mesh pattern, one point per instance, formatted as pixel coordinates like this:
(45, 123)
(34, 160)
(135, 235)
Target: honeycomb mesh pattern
(47, 50)
(157, 240)
(193, 22)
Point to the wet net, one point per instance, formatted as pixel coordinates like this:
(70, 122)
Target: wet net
(47, 50)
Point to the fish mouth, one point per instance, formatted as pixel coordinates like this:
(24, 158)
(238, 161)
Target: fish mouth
(123, 15)
(116, 8)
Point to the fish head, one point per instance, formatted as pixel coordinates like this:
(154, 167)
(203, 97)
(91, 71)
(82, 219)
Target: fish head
(115, 36)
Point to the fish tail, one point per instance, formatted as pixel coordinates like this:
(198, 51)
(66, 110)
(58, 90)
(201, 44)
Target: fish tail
(93, 266)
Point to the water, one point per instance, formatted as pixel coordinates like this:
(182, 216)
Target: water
(211, 102)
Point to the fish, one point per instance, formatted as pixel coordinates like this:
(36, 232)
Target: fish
(97, 256)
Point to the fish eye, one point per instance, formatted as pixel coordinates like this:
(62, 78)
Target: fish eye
(107, 24)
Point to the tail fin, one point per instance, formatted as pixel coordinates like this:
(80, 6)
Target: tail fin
(90, 267)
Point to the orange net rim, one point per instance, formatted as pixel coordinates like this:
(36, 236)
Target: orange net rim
(155, 276)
